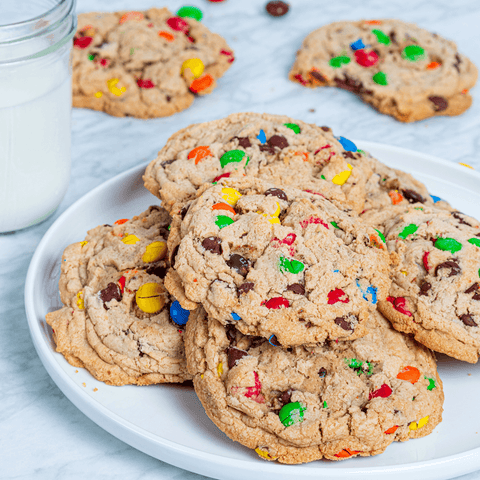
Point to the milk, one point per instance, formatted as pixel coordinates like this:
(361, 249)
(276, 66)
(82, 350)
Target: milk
(35, 133)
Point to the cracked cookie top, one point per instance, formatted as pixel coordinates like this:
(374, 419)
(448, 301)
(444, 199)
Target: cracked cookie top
(119, 322)
(435, 290)
(145, 64)
(334, 401)
(399, 68)
(281, 263)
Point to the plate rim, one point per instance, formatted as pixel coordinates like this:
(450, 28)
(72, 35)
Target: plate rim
(462, 463)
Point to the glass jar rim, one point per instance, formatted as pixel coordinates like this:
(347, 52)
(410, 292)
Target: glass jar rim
(58, 25)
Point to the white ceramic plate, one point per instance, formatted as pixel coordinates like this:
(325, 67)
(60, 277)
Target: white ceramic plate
(168, 421)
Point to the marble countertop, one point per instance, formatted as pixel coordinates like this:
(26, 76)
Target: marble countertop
(42, 434)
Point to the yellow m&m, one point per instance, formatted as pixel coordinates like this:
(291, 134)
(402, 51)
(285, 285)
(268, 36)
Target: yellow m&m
(130, 240)
(149, 297)
(421, 423)
(342, 177)
(192, 68)
(112, 86)
(154, 252)
(230, 195)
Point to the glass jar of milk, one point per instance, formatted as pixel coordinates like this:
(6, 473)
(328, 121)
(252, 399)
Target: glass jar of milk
(35, 108)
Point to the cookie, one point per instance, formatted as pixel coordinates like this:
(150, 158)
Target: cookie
(270, 147)
(117, 316)
(145, 64)
(435, 290)
(399, 68)
(333, 400)
(280, 263)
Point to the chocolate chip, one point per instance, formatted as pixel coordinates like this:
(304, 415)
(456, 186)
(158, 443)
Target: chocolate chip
(412, 196)
(174, 255)
(245, 288)
(168, 97)
(213, 244)
(273, 341)
(234, 355)
(111, 292)
(352, 85)
(267, 149)
(285, 397)
(256, 341)
(458, 62)
(393, 37)
(322, 372)
(468, 320)
(244, 142)
(452, 265)
(439, 103)
(184, 211)
(424, 288)
(240, 264)
(277, 9)
(278, 141)
(276, 192)
(231, 332)
(309, 325)
(349, 155)
(472, 289)
(157, 269)
(326, 129)
(318, 76)
(168, 162)
(341, 322)
(460, 219)
(296, 288)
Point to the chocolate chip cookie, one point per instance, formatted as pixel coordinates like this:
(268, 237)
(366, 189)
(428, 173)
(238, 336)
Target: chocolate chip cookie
(333, 400)
(435, 290)
(145, 64)
(277, 262)
(399, 68)
(117, 319)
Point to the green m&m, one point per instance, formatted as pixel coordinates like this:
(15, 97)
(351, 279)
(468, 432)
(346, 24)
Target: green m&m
(381, 235)
(191, 12)
(474, 241)
(448, 245)
(380, 78)
(223, 221)
(292, 266)
(381, 37)
(337, 62)
(413, 53)
(292, 126)
(232, 156)
(408, 230)
(291, 413)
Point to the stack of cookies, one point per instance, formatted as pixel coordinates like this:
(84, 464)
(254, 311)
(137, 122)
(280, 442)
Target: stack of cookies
(299, 281)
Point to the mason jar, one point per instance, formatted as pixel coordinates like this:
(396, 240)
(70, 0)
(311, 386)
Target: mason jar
(35, 108)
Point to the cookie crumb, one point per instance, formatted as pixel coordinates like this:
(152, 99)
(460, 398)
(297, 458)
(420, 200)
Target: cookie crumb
(95, 389)
(84, 384)
(312, 110)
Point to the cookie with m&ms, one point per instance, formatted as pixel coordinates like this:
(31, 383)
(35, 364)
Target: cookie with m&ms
(276, 262)
(435, 290)
(117, 320)
(335, 400)
(145, 64)
(275, 148)
(400, 69)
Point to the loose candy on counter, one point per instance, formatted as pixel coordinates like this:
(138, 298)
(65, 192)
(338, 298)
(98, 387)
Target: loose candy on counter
(277, 8)
(178, 314)
(149, 297)
(292, 413)
(190, 12)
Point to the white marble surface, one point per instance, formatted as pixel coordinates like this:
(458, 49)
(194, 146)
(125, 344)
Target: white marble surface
(42, 434)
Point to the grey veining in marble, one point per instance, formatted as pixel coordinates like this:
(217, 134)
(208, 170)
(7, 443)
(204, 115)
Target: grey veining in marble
(42, 434)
